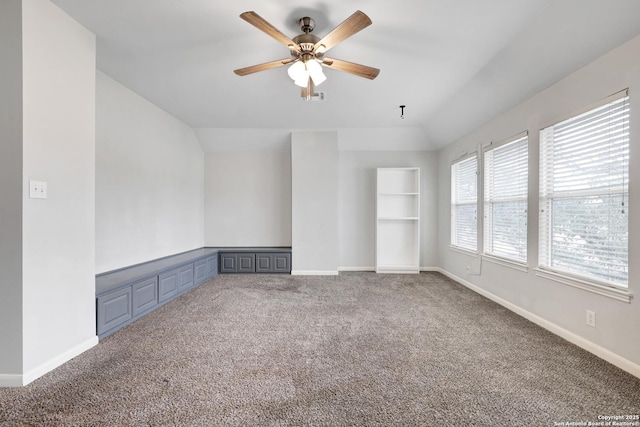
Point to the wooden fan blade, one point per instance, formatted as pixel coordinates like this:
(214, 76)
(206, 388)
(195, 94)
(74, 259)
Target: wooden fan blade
(257, 21)
(262, 67)
(347, 28)
(350, 67)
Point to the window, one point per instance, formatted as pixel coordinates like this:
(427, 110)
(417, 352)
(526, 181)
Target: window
(584, 169)
(505, 199)
(464, 203)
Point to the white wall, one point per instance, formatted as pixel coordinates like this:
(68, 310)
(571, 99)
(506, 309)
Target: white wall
(357, 198)
(11, 189)
(314, 203)
(58, 147)
(149, 180)
(405, 138)
(557, 306)
(248, 188)
(248, 198)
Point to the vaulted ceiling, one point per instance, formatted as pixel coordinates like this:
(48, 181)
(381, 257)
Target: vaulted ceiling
(455, 64)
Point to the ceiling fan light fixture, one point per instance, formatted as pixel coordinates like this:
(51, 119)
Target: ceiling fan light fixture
(315, 72)
(302, 82)
(297, 71)
(319, 78)
(300, 72)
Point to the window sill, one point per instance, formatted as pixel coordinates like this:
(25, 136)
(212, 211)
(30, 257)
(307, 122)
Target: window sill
(607, 291)
(507, 263)
(463, 251)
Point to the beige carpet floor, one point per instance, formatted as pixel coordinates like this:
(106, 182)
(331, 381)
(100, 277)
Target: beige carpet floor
(359, 349)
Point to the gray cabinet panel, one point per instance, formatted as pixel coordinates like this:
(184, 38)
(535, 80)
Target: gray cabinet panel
(114, 309)
(228, 263)
(127, 294)
(185, 278)
(273, 263)
(200, 271)
(246, 263)
(264, 263)
(281, 263)
(145, 295)
(212, 264)
(168, 285)
(255, 262)
(124, 295)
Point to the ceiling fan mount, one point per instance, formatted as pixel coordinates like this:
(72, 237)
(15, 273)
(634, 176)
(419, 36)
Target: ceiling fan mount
(307, 51)
(306, 24)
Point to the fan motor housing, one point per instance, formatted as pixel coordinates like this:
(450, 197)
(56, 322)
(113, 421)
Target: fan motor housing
(306, 39)
(307, 43)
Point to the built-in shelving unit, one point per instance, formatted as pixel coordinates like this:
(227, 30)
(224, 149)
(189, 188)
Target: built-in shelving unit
(127, 294)
(398, 220)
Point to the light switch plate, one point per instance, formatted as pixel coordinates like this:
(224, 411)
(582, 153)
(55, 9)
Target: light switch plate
(37, 189)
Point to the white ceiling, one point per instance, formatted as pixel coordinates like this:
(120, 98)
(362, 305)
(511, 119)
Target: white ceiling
(455, 64)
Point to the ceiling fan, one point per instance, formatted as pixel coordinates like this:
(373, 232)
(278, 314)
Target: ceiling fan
(307, 51)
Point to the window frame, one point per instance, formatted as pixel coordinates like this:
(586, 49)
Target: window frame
(545, 241)
(453, 242)
(488, 235)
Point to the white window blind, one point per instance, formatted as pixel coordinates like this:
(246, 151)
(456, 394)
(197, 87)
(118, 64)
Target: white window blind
(505, 199)
(584, 176)
(464, 194)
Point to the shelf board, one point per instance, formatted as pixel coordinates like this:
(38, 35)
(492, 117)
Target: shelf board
(396, 218)
(398, 266)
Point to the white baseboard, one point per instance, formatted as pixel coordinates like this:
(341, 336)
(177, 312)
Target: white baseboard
(314, 272)
(356, 269)
(48, 366)
(601, 352)
(374, 269)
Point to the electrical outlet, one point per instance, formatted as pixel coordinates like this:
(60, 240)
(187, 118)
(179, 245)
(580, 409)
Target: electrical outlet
(591, 318)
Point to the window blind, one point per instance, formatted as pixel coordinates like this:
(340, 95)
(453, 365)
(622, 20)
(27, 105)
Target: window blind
(464, 193)
(584, 175)
(505, 199)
